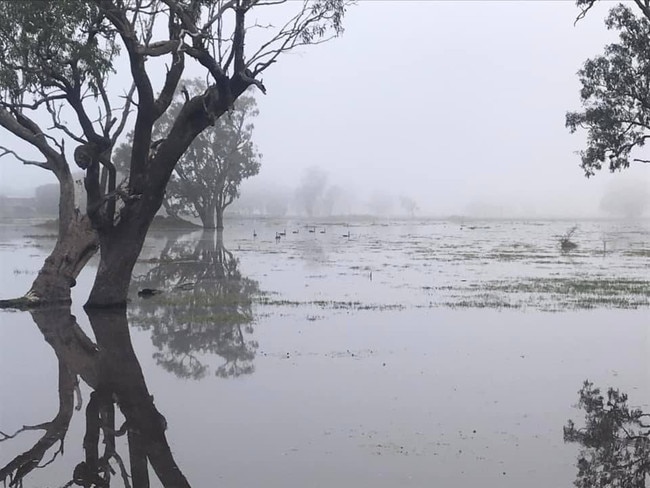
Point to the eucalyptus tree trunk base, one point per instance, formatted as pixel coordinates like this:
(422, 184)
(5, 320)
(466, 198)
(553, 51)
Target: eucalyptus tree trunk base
(219, 213)
(73, 248)
(119, 251)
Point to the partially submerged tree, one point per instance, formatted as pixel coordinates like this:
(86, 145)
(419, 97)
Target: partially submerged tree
(207, 178)
(615, 95)
(614, 442)
(48, 57)
(566, 243)
(58, 58)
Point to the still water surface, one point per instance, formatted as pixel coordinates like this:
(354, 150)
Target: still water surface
(420, 353)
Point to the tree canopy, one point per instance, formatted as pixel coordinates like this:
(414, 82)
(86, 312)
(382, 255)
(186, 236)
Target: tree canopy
(615, 94)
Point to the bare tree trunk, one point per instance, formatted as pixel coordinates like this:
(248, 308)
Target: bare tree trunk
(208, 220)
(119, 251)
(77, 242)
(219, 213)
(73, 249)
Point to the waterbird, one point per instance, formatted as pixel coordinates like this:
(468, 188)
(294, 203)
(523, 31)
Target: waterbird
(346, 235)
(323, 231)
(283, 233)
(254, 234)
(277, 237)
(312, 230)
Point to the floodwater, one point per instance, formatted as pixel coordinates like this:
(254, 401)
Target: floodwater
(411, 353)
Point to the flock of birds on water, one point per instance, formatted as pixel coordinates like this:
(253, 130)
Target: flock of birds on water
(310, 229)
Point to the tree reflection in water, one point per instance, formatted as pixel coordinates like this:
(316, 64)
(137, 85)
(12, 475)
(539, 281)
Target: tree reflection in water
(112, 370)
(615, 441)
(205, 308)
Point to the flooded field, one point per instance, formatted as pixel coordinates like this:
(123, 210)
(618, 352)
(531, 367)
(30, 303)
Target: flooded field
(322, 354)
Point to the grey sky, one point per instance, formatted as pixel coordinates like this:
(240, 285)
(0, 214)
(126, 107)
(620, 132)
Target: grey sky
(455, 103)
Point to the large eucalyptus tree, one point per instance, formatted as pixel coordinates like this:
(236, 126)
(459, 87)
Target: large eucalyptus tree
(73, 60)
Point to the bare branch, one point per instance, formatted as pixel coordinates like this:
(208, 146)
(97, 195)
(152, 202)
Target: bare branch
(6, 151)
(32, 106)
(144, 118)
(24, 428)
(261, 3)
(126, 110)
(173, 74)
(55, 115)
(159, 48)
(27, 130)
(239, 39)
(584, 10)
(217, 16)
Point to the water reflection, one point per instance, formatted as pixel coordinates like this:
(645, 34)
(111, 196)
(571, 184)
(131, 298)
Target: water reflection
(614, 442)
(112, 370)
(205, 307)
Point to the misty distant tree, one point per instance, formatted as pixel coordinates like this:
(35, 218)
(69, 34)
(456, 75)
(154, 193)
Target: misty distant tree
(615, 95)
(628, 199)
(205, 308)
(262, 198)
(614, 442)
(380, 203)
(276, 203)
(408, 205)
(207, 177)
(311, 190)
(333, 195)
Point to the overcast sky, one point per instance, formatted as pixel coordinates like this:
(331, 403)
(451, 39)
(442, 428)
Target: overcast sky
(457, 104)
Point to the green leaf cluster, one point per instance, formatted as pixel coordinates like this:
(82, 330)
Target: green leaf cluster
(615, 96)
(54, 43)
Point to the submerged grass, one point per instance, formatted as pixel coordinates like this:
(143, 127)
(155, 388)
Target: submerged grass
(573, 286)
(638, 253)
(328, 304)
(553, 294)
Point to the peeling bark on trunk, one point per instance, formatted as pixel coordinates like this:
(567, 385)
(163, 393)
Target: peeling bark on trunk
(73, 249)
(77, 242)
